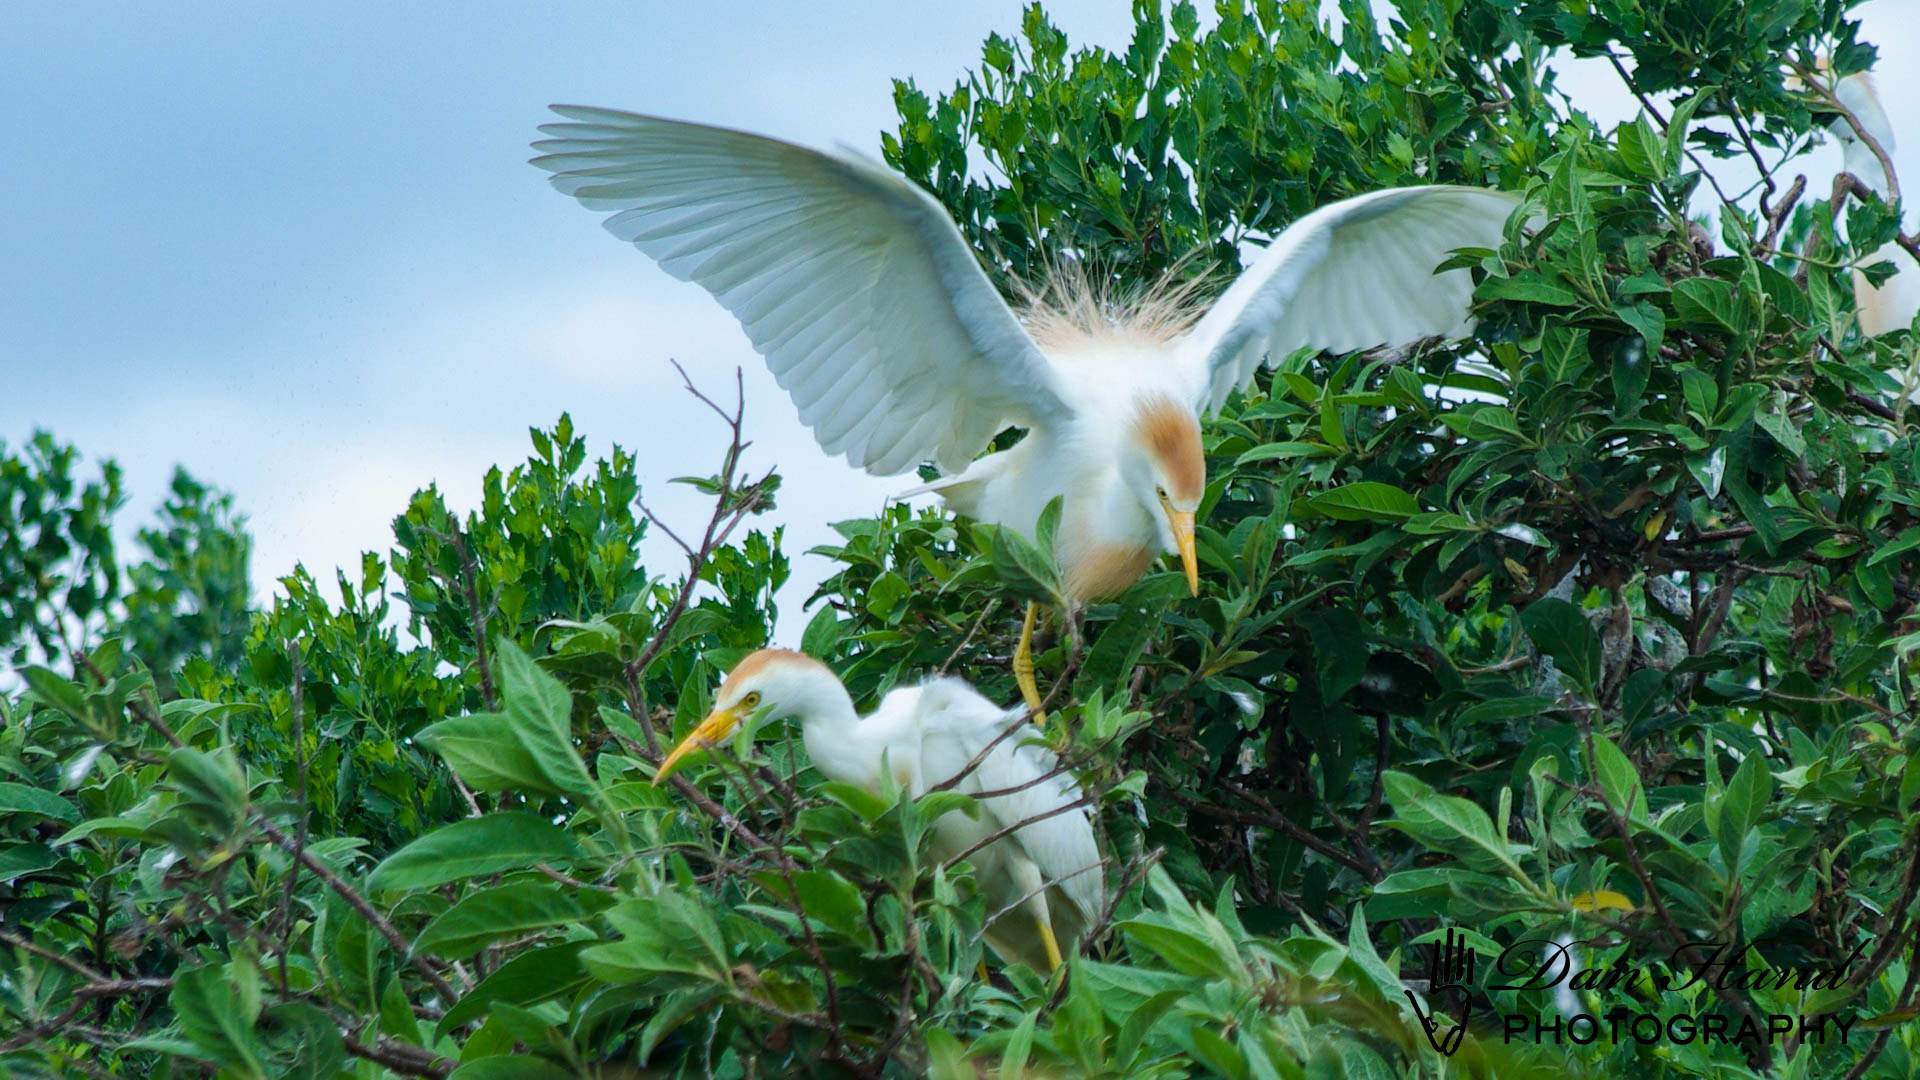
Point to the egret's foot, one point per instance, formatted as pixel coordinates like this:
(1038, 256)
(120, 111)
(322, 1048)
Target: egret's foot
(1051, 944)
(1023, 667)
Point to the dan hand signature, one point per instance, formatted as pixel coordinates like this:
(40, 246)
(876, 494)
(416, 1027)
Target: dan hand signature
(1449, 978)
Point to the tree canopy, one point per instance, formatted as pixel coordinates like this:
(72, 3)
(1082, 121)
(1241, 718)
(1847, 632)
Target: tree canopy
(1597, 628)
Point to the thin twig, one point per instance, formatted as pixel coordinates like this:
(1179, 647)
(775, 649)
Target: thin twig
(359, 903)
(985, 613)
(1015, 722)
(1009, 829)
(728, 512)
(1268, 817)
(399, 1056)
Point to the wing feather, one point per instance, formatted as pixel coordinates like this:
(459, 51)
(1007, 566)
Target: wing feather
(1351, 275)
(1062, 845)
(856, 287)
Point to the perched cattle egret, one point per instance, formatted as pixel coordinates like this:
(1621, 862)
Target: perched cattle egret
(1894, 303)
(873, 313)
(1044, 880)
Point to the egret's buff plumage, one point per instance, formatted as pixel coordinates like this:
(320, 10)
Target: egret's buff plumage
(1068, 310)
(1045, 880)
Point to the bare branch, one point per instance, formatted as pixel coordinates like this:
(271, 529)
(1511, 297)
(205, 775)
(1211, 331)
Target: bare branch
(728, 512)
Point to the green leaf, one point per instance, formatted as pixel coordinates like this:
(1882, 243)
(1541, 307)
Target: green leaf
(60, 693)
(1532, 290)
(211, 782)
(21, 799)
(1630, 373)
(1185, 952)
(20, 860)
(473, 847)
(1905, 542)
(1446, 822)
(1024, 565)
(525, 979)
(1640, 149)
(482, 749)
(1743, 805)
(1702, 393)
(885, 594)
(1115, 653)
(1560, 630)
(1708, 302)
(1682, 117)
(1619, 779)
(212, 1013)
(504, 911)
(1366, 500)
(518, 1067)
(946, 1058)
(669, 932)
(1283, 451)
(822, 633)
(539, 713)
(309, 1034)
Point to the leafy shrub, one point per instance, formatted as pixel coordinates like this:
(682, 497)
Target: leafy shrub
(1596, 627)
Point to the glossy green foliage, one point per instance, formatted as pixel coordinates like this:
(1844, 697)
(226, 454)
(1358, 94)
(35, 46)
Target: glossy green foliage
(188, 598)
(58, 568)
(1599, 625)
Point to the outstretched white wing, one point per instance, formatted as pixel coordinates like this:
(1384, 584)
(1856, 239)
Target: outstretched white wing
(1059, 842)
(852, 282)
(1351, 275)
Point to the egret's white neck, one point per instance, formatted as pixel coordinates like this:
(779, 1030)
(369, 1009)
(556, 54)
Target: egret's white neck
(1857, 93)
(827, 722)
(1861, 163)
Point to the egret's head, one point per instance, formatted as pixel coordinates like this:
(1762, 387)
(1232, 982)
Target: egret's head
(777, 683)
(1168, 474)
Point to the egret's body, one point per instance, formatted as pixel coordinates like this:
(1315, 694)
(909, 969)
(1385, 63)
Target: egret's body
(1893, 303)
(1046, 876)
(875, 315)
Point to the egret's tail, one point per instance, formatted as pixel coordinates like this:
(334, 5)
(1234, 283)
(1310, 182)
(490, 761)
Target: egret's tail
(947, 487)
(964, 492)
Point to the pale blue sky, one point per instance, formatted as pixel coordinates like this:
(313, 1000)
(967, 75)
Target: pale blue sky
(298, 249)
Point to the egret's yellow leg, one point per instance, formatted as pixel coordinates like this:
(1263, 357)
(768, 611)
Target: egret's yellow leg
(1051, 944)
(984, 977)
(1023, 666)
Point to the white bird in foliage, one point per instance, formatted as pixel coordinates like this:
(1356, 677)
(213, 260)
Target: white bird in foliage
(875, 315)
(1044, 880)
(1893, 303)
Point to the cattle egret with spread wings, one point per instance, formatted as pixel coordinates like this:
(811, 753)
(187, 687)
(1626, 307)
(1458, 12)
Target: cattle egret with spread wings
(1893, 303)
(875, 315)
(1044, 880)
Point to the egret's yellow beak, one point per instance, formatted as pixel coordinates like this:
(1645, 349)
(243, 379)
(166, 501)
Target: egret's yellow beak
(717, 728)
(1182, 522)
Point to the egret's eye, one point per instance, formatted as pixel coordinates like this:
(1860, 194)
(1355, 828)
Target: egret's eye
(751, 701)
(1160, 491)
